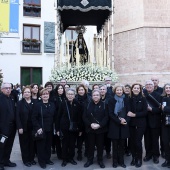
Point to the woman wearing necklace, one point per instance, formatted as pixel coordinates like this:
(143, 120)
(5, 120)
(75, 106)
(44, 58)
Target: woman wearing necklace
(43, 119)
(69, 123)
(24, 126)
(95, 118)
(118, 125)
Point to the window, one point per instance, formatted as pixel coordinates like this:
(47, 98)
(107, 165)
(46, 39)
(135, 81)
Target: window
(31, 39)
(32, 8)
(31, 75)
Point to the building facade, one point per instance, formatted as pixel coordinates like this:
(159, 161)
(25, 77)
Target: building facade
(141, 40)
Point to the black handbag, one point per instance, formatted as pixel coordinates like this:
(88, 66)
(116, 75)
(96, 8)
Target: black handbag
(73, 125)
(37, 136)
(3, 140)
(167, 120)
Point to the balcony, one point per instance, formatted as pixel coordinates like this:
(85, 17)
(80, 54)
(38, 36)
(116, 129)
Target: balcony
(32, 10)
(31, 46)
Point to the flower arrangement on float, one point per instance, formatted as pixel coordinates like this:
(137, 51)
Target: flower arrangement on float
(85, 72)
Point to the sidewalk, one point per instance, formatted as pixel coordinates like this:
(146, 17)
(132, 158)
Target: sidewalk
(16, 157)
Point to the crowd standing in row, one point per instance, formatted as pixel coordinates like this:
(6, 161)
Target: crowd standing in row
(62, 118)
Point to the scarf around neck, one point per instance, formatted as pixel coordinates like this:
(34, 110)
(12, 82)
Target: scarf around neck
(119, 103)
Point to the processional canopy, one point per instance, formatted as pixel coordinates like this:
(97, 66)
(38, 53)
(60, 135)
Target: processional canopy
(83, 12)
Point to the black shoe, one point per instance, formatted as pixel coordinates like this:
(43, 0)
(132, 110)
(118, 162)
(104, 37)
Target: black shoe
(2, 168)
(108, 155)
(147, 158)
(155, 160)
(133, 162)
(64, 163)
(49, 162)
(28, 164)
(138, 163)
(88, 163)
(33, 162)
(79, 157)
(123, 165)
(166, 164)
(101, 164)
(115, 165)
(43, 166)
(11, 164)
(73, 162)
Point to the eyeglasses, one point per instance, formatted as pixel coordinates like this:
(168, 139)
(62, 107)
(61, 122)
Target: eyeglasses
(70, 94)
(149, 84)
(7, 88)
(45, 94)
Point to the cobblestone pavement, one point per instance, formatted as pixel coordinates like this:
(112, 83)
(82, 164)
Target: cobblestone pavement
(16, 157)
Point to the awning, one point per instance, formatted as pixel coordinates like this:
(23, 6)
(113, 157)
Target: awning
(84, 12)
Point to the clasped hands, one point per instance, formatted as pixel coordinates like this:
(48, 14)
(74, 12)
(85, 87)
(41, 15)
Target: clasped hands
(95, 126)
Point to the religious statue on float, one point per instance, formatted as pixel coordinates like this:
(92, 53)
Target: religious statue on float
(80, 53)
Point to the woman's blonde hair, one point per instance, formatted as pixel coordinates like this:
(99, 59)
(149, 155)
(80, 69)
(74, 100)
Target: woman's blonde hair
(116, 86)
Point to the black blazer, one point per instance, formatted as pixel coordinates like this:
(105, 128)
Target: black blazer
(75, 110)
(166, 110)
(24, 115)
(48, 114)
(138, 105)
(116, 129)
(96, 113)
(154, 117)
(5, 116)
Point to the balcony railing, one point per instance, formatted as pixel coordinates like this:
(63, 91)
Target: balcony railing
(31, 47)
(30, 10)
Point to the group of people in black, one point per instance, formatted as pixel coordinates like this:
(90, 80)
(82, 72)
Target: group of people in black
(102, 118)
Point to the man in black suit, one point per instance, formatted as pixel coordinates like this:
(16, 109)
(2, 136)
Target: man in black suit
(7, 125)
(156, 86)
(108, 82)
(152, 133)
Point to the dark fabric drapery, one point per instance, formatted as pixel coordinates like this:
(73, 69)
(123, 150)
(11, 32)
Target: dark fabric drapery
(84, 12)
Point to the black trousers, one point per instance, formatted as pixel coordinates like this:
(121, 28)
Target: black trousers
(80, 140)
(56, 145)
(27, 146)
(107, 143)
(98, 141)
(68, 144)
(166, 141)
(44, 148)
(151, 140)
(118, 150)
(5, 151)
(136, 135)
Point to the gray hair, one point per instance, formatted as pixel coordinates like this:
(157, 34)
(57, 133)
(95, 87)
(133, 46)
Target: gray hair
(149, 81)
(3, 84)
(103, 85)
(85, 82)
(71, 89)
(96, 90)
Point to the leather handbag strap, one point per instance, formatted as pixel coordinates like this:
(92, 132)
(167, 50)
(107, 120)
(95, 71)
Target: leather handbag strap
(42, 119)
(68, 111)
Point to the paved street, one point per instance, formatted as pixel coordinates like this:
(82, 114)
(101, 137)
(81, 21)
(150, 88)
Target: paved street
(15, 157)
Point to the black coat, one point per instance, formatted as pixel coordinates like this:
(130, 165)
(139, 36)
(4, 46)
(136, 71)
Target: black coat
(24, 115)
(138, 105)
(166, 110)
(96, 113)
(159, 90)
(116, 129)
(47, 112)
(154, 116)
(75, 111)
(7, 113)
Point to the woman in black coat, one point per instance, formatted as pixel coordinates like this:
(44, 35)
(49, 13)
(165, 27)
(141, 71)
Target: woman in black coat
(70, 111)
(82, 98)
(43, 118)
(137, 124)
(118, 125)
(165, 126)
(95, 118)
(24, 126)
